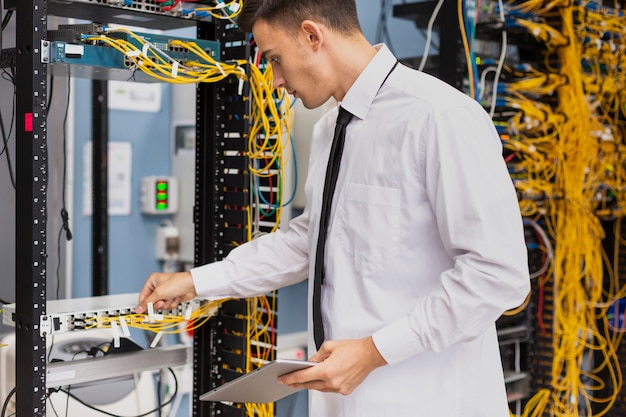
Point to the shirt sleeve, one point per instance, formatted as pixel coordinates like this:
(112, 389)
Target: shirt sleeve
(480, 226)
(259, 266)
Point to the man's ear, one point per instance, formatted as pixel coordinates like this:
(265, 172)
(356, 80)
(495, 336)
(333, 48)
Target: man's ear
(314, 34)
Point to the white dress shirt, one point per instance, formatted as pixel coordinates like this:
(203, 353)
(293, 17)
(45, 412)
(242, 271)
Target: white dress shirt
(425, 248)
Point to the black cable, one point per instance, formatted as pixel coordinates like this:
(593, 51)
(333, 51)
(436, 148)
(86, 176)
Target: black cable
(5, 138)
(50, 92)
(50, 348)
(12, 123)
(8, 156)
(6, 403)
(1, 29)
(52, 406)
(6, 19)
(58, 272)
(160, 407)
(67, 401)
(6, 75)
(64, 214)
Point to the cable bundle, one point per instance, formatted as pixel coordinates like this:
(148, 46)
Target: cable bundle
(562, 129)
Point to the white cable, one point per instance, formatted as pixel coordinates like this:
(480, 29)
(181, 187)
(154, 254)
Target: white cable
(116, 334)
(147, 45)
(175, 65)
(429, 34)
(483, 81)
(156, 339)
(494, 94)
(224, 12)
(124, 325)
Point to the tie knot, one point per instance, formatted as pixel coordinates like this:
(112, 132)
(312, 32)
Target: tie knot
(344, 116)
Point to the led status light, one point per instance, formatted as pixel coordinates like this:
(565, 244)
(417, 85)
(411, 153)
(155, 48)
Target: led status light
(159, 195)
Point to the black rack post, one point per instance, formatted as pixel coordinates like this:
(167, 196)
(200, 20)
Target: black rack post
(204, 250)
(221, 128)
(31, 212)
(100, 173)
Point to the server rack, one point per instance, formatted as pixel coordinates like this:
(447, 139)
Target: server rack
(215, 136)
(563, 45)
(221, 116)
(222, 192)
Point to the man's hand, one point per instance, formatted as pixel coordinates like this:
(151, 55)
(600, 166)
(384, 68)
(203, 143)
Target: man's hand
(344, 365)
(166, 290)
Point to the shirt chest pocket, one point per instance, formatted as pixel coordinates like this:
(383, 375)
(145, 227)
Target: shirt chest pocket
(368, 224)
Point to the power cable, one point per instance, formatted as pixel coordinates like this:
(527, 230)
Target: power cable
(11, 78)
(5, 140)
(6, 403)
(64, 214)
(7, 18)
(160, 407)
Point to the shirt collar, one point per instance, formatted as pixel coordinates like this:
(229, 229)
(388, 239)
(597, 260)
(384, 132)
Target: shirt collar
(360, 96)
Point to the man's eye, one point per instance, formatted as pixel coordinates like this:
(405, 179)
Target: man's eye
(274, 60)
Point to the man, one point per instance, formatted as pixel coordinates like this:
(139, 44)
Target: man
(424, 247)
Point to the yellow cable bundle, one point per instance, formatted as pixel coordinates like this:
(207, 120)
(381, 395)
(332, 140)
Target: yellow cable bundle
(583, 164)
(260, 340)
(541, 84)
(166, 323)
(159, 65)
(271, 119)
(538, 6)
(233, 6)
(268, 141)
(270, 138)
(545, 33)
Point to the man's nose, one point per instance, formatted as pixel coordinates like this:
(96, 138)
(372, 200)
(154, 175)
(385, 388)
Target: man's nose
(279, 80)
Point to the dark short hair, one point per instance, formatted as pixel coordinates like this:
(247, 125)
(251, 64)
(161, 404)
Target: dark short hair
(340, 16)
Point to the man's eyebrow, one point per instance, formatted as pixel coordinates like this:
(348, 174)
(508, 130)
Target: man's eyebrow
(265, 53)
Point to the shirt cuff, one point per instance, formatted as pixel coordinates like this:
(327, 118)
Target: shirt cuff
(211, 281)
(396, 341)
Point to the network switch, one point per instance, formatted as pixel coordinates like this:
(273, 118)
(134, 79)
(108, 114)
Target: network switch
(101, 62)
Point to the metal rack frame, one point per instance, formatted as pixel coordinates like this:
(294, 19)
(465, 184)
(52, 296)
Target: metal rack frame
(31, 198)
(31, 212)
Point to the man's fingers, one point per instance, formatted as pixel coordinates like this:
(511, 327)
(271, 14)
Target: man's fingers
(165, 291)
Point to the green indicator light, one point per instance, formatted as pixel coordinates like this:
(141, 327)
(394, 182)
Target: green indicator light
(161, 196)
(161, 186)
(161, 206)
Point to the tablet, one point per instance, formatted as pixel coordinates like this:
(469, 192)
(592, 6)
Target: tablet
(260, 385)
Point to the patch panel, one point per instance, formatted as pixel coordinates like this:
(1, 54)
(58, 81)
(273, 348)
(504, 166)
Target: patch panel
(81, 313)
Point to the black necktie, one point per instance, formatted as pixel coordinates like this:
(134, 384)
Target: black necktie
(327, 199)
